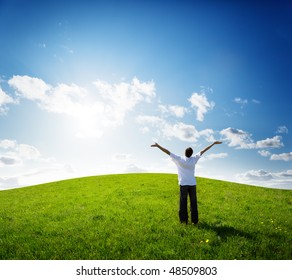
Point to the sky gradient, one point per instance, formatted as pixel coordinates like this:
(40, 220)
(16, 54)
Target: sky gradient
(87, 86)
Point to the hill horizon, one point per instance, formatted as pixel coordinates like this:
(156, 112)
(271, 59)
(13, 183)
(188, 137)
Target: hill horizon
(121, 174)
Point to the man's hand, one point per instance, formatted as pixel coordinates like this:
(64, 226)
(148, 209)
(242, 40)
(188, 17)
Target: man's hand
(161, 148)
(207, 148)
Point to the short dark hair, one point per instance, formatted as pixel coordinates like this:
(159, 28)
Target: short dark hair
(188, 152)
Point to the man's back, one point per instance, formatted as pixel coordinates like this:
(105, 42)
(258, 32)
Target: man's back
(186, 169)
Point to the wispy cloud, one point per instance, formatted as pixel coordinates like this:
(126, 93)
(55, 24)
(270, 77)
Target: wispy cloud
(240, 101)
(264, 153)
(244, 101)
(122, 157)
(67, 49)
(255, 101)
(42, 45)
(282, 129)
(201, 104)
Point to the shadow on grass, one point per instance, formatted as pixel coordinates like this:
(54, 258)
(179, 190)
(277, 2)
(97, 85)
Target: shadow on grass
(225, 231)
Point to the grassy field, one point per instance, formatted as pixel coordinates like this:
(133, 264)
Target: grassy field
(135, 216)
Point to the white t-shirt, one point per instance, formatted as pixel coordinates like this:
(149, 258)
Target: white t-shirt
(186, 169)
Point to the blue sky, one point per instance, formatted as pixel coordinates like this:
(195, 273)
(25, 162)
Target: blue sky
(87, 86)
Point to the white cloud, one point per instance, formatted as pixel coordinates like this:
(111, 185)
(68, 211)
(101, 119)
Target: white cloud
(282, 180)
(201, 104)
(175, 110)
(8, 183)
(153, 120)
(284, 174)
(4, 99)
(144, 129)
(37, 168)
(15, 154)
(207, 134)
(256, 175)
(179, 130)
(242, 140)
(274, 142)
(37, 176)
(184, 132)
(28, 152)
(127, 95)
(30, 88)
(92, 111)
(118, 99)
(237, 138)
(215, 156)
(63, 99)
(7, 144)
(282, 129)
(9, 161)
(284, 156)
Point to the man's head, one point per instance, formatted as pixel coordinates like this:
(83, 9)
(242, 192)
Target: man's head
(188, 152)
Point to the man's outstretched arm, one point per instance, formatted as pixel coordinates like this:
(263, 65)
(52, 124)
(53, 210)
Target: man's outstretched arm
(161, 148)
(209, 147)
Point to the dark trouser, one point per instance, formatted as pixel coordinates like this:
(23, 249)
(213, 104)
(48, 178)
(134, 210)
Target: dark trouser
(183, 205)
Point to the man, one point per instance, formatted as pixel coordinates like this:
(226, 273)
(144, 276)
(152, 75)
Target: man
(187, 180)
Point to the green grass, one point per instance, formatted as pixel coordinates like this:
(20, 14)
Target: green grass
(135, 216)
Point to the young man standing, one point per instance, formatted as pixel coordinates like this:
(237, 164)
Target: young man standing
(187, 180)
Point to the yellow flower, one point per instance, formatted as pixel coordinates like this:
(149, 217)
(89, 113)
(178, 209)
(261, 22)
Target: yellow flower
(207, 240)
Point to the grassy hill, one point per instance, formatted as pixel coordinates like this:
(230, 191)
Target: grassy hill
(135, 216)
